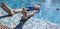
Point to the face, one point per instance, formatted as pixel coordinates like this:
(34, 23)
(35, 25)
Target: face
(37, 6)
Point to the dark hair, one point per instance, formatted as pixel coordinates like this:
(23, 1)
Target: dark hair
(38, 4)
(57, 9)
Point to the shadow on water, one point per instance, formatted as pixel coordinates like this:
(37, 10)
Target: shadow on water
(20, 25)
(22, 22)
(5, 16)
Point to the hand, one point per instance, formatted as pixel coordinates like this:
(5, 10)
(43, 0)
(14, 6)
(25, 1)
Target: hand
(24, 13)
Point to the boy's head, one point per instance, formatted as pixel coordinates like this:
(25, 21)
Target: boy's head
(37, 5)
(57, 9)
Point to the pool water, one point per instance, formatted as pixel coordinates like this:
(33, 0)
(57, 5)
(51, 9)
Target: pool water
(47, 13)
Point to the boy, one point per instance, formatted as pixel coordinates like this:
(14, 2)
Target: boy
(34, 9)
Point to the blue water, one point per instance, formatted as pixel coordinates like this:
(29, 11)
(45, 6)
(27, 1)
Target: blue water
(47, 11)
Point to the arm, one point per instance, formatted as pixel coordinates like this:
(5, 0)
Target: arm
(20, 10)
(32, 13)
(25, 15)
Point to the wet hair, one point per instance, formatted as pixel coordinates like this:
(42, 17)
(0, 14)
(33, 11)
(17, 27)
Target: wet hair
(57, 9)
(38, 4)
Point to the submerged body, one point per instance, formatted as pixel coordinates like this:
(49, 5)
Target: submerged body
(25, 16)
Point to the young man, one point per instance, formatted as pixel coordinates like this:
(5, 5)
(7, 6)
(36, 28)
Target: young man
(34, 9)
